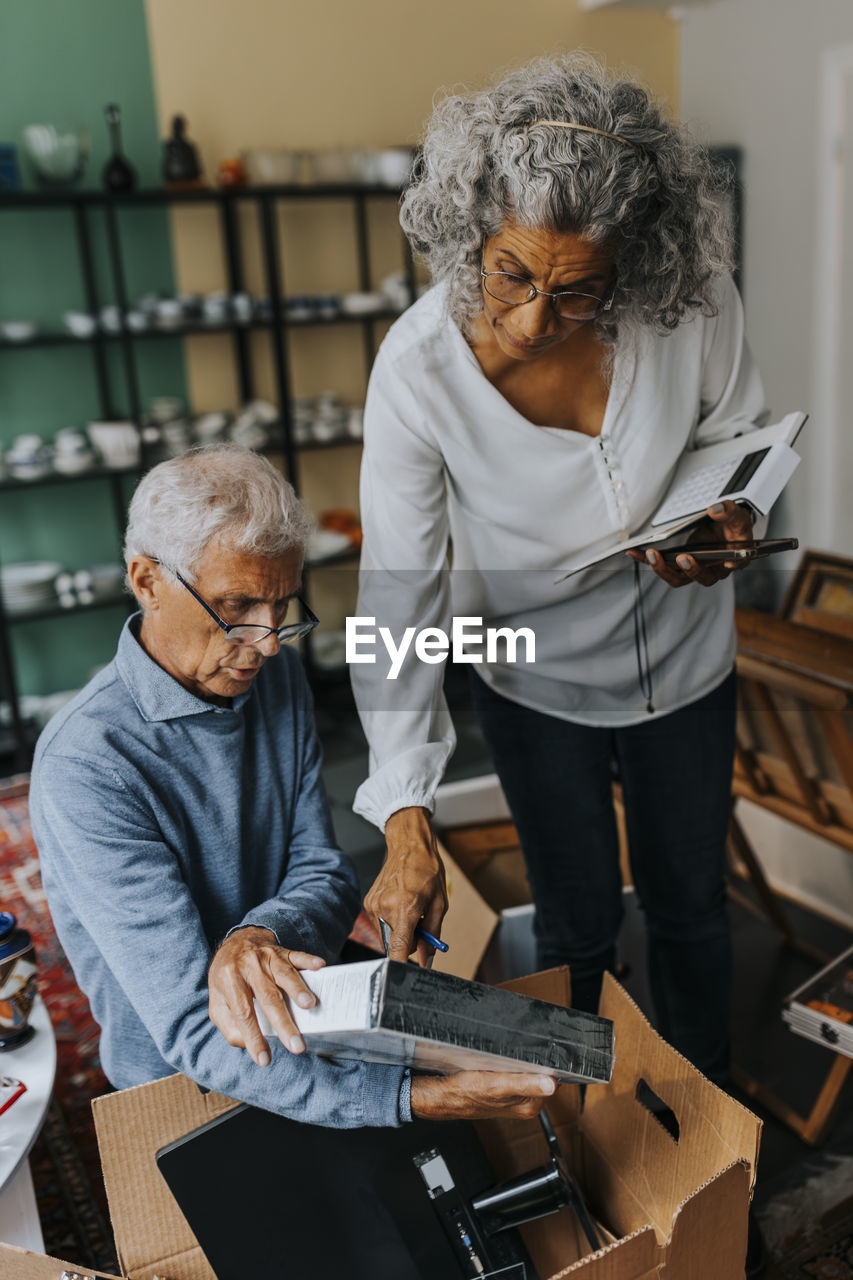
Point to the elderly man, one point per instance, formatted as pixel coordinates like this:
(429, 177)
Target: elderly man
(178, 806)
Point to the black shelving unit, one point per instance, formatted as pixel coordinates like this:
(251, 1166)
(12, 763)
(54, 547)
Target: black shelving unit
(16, 741)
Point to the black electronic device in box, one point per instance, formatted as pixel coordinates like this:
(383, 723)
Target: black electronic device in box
(269, 1198)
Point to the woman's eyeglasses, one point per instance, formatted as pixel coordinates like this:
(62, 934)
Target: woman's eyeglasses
(514, 291)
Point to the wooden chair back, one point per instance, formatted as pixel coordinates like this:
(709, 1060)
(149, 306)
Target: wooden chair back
(794, 751)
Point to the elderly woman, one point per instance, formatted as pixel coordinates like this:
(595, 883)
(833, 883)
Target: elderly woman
(583, 331)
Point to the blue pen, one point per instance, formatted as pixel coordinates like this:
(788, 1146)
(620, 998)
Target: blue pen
(433, 942)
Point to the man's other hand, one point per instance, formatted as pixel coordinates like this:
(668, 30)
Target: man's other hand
(251, 966)
(480, 1095)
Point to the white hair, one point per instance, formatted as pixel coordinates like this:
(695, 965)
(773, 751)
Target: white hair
(220, 492)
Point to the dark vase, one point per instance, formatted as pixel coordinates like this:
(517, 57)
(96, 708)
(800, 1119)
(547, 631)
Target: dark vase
(181, 164)
(119, 174)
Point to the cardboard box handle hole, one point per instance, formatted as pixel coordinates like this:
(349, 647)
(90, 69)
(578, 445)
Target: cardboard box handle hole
(656, 1107)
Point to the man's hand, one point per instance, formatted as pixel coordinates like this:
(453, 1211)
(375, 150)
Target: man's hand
(249, 966)
(480, 1095)
(411, 885)
(726, 522)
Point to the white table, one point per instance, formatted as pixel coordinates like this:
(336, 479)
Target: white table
(35, 1064)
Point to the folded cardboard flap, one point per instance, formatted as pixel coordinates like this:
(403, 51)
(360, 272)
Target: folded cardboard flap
(468, 926)
(706, 1245)
(21, 1264)
(714, 1129)
(151, 1233)
(636, 1258)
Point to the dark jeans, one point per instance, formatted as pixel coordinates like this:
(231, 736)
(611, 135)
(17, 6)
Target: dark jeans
(676, 775)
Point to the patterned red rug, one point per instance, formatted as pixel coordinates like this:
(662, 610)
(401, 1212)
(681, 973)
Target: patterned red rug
(65, 1166)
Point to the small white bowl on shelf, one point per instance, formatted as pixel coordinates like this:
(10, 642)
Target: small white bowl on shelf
(79, 323)
(58, 158)
(29, 458)
(29, 585)
(106, 579)
(18, 330)
(110, 318)
(137, 321)
(117, 443)
(362, 304)
(272, 166)
(393, 166)
(72, 452)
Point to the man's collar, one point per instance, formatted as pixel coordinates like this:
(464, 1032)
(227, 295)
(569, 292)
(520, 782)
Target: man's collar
(157, 695)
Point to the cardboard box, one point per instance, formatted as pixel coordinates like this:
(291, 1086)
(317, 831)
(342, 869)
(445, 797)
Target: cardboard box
(468, 926)
(677, 1207)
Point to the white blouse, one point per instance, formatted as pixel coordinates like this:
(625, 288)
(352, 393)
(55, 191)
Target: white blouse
(448, 462)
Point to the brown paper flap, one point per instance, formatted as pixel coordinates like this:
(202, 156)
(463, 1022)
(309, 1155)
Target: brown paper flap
(637, 1257)
(714, 1130)
(468, 926)
(710, 1231)
(131, 1127)
(21, 1264)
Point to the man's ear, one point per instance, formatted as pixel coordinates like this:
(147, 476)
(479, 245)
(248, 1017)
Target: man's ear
(146, 581)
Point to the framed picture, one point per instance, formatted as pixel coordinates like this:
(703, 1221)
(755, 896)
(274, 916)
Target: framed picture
(821, 594)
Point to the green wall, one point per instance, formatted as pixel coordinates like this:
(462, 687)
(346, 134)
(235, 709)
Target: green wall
(61, 62)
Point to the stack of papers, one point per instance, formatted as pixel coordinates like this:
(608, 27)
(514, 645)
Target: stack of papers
(822, 1008)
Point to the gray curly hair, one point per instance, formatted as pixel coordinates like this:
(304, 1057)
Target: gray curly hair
(220, 491)
(486, 159)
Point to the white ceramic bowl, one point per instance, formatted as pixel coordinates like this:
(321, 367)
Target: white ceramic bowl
(335, 164)
(393, 166)
(117, 442)
(18, 330)
(272, 165)
(361, 304)
(56, 157)
(106, 579)
(80, 323)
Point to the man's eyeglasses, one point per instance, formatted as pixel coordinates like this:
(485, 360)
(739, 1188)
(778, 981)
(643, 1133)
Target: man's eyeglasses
(515, 291)
(250, 633)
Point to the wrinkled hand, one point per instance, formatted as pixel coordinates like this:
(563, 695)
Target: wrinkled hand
(727, 522)
(249, 966)
(480, 1095)
(411, 886)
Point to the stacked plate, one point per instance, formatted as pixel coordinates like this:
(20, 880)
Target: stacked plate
(28, 586)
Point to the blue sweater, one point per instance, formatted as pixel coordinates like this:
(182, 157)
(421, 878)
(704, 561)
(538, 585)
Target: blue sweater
(162, 822)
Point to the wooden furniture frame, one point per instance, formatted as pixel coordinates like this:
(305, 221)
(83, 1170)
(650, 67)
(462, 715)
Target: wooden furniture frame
(821, 594)
(794, 757)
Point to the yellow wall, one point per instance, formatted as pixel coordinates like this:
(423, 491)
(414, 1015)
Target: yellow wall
(323, 73)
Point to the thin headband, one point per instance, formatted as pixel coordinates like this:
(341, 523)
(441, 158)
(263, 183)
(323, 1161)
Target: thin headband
(586, 128)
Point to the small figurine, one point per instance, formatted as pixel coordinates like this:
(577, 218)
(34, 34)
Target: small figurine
(181, 164)
(119, 174)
